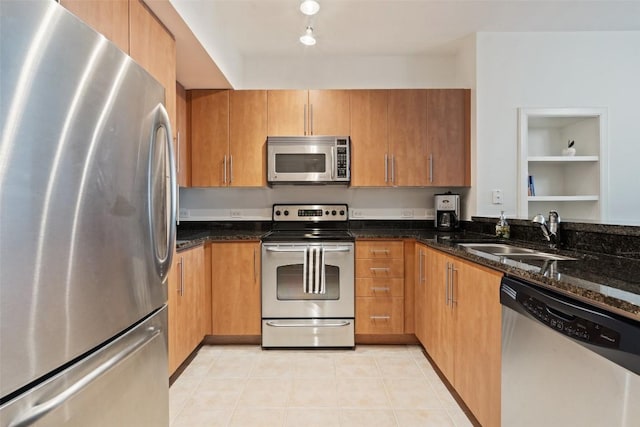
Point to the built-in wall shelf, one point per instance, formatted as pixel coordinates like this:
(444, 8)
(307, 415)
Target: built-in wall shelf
(587, 198)
(549, 179)
(566, 159)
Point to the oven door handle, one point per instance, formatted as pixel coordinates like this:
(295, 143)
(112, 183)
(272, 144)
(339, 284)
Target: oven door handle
(338, 249)
(282, 324)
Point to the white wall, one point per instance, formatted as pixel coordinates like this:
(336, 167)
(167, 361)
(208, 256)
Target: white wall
(208, 204)
(349, 72)
(594, 69)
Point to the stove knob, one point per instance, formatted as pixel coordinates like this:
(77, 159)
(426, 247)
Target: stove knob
(333, 213)
(326, 212)
(286, 213)
(278, 213)
(341, 213)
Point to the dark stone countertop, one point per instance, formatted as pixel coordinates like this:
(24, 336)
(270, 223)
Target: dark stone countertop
(608, 282)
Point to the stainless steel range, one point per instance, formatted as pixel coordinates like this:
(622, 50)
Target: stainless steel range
(308, 293)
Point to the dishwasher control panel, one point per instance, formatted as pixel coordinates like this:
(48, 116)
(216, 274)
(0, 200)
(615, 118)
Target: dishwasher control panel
(570, 325)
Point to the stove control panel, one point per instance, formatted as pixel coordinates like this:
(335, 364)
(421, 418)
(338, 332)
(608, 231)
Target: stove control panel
(314, 213)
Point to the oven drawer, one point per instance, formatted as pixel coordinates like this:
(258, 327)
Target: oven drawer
(308, 333)
(380, 249)
(379, 315)
(376, 287)
(380, 268)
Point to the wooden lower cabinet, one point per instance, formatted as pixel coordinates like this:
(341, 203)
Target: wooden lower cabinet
(380, 287)
(235, 288)
(458, 321)
(187, 305)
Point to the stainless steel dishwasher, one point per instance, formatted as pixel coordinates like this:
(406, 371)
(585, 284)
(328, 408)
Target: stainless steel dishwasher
(566, 363)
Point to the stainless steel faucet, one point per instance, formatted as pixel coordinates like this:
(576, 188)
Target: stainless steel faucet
(552, 231)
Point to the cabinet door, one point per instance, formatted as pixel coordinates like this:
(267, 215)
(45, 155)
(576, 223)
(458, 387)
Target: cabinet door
(477, 340)
(448, 134)
(209, 114)
(369, 155)
(329, 112)
(181, 147)
(288, 112)
(235, 288)
(420, 295)
(407, 111)
(247, 138)
(109, 17)
(440, 327)
(173, 295)
(153, 47)
(193, 267)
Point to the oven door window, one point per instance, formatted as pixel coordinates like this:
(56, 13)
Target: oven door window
(290, 287)
(301, 163)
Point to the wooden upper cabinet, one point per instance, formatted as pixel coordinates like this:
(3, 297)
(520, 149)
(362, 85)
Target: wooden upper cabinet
(407, 118)
(329, 112)
(287, 112)
(369, 149)
(247, 138)
(181, 147)
(109, 17)
(209, 135)
(313, 112)
(153, 47)
(448, 135)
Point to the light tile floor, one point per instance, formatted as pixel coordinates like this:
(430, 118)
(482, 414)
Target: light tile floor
(371, 386)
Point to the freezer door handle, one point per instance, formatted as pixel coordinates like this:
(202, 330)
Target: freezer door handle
(41, 409)
(162, 193)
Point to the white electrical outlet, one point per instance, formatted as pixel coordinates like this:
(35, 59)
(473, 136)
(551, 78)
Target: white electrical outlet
(356, 213)
(236, 214)
(407, 213)
(496, 197)
(184, 213)
(430, 213)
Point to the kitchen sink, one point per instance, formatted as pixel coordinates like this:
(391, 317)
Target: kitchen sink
(513, 252)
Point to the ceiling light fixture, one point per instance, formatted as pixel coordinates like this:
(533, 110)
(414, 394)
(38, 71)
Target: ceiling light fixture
(309, 7)
(307, 38)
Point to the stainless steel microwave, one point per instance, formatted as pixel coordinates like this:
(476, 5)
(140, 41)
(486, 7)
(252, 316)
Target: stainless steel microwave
(308, 160)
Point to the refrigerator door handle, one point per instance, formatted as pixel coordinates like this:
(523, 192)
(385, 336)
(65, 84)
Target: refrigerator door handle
(41, 409)
(162, 193)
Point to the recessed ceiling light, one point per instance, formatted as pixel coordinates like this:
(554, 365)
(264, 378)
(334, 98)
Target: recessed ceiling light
(307, 38)
(309, 7)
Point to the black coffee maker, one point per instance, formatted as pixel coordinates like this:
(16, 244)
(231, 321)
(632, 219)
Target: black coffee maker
(447, 208)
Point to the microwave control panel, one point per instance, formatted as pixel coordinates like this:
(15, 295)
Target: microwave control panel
(342, 158)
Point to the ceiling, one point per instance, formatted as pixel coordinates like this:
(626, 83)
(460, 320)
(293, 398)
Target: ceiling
(230, 30)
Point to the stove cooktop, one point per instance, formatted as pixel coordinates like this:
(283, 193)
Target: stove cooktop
(296, 235)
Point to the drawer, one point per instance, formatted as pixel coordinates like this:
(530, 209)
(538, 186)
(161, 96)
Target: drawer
(380, 268)
(379, 315)
(385, 249)
(370, 287)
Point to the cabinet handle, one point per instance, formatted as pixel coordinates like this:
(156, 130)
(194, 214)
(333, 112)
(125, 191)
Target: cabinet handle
(224, 172)
(386, 167)
(230, 168)
(178, 151)
(380, 289)
(305, 119)
(420, 276)
(181, 264)
(379, 251)
(393, 169)
(310, 119)
(453, 275)
(446, 287)
(254, 265)
(374, 269)
(430, 167)
(385, 317)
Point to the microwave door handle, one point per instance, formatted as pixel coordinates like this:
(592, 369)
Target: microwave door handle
(333, 163)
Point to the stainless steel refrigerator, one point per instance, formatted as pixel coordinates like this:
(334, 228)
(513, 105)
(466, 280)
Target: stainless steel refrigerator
(87, 226)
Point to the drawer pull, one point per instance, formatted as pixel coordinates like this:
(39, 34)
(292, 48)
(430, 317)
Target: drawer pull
(380, 289)
(379, 317)
(379, 251)
(374, 269)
